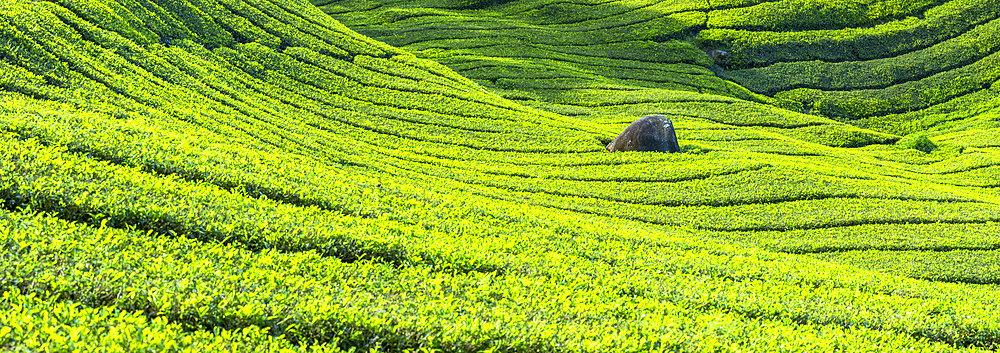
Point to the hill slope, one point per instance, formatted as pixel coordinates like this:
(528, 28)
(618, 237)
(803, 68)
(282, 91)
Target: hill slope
(254, 174)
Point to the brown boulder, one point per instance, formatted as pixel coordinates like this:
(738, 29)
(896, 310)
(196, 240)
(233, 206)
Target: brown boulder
(649, 133)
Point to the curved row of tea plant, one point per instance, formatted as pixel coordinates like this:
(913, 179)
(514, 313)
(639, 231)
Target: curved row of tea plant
(954, 53)
(790, 15)
(868, 70)
(253, 173)
(758, 48)
(681, 294)
(536, 51)
(34, 323)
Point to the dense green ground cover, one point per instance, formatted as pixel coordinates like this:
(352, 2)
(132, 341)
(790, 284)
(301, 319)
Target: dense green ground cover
(256, 175)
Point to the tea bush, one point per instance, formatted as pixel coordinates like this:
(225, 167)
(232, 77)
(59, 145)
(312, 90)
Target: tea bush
(243, 175)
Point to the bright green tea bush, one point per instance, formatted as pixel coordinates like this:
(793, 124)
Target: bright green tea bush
(431, 176)
(789, 15)
(758, 48)
(36, 323)
(975, 266)
(954, 53)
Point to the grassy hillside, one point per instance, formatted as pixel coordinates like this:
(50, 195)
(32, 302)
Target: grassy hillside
(252, 175)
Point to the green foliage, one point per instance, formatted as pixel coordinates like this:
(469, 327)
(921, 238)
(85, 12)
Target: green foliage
(543, 48)
(918, 142)
(757, 48)
(904, 97)
(955, 115)
(911, 237)
(954, 53)
(475, 4)
(966, 266)
(788, 15)
(844, 61)
(106, 15)
(245, 175)
(34, 322)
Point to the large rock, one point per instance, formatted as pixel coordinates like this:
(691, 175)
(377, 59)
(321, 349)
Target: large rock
(649, 133)
(718, 59)
(718, 56)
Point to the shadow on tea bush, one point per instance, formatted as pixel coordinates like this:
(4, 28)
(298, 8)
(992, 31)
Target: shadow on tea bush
(919, 142)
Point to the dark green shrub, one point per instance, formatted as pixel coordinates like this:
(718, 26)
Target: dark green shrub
(920, 143)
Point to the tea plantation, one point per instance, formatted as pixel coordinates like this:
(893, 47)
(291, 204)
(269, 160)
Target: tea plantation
(430, 176)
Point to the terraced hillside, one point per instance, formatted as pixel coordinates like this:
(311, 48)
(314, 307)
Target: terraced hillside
(256, 175)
